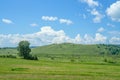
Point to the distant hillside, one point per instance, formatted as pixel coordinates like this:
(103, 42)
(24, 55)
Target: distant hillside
(67, 48)
(68, 52)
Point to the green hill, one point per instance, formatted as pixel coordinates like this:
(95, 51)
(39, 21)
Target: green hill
(85, 53)
(66, 52)
(67, 48)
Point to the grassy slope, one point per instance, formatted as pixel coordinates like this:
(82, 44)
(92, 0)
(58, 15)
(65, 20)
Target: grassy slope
(66, 52)
(67, 48)
(19, 69)
(8, 51)
(80, 53)
(88, 64)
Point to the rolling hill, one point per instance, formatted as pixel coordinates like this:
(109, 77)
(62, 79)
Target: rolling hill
(67, 48)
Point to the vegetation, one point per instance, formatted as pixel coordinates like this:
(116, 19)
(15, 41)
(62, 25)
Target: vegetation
(24, 50)
(77, 52)
(63, 62)
(109, 49)
(21, 69)
(8, 56)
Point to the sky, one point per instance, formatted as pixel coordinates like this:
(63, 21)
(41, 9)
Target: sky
(43, 22)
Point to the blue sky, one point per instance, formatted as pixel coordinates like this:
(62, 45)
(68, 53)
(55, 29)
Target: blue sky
(56, 21)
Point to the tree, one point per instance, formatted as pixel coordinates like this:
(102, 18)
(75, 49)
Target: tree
(114, 50)
(24, 49)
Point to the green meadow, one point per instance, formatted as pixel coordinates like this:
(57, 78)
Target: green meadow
(19, 69)
(61, 62)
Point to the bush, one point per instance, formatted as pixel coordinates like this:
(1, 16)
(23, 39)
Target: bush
(109, 60)
(52, 58)
(72, 60)
(105, 60)
(31, 57)
(102, 52)
(7, 56)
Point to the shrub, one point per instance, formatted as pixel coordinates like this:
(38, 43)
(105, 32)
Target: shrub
(31, 57)
(52, 58)
(109, 60)
(72, 60)
(105, 60)
(8, 56)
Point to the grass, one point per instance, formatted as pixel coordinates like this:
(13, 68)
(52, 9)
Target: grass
(61, 62)
(66, 49)
(19, 69)
(8, 51)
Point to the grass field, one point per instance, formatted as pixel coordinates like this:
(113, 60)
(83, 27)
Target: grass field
(19, 69)
(61, 62)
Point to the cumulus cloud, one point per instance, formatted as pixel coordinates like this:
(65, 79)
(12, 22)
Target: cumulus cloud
(101, 29)
(7, 21)
(49, 18)
(78, 39)
(88, 39)
(34, 24)
(47, 35)
(91, 3)
(97, 15)
(66, 21)
(114, 11)
(62, 21)
(100, 38)
(115, 40)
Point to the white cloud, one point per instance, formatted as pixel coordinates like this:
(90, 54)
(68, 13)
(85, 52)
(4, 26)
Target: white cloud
(115, 40)
(114, 11)
(34, 25)
(49, 18)
(47, 35)
(99, 38)
(97, 15)
(66, 21)
(78, 39)
(7, 21)
(88, 39)
(114, 32)
(110, 25)
(91, 3)
(101, 29)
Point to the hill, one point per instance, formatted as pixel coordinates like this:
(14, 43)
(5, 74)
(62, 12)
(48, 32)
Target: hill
(67, 48)
(70, 52)
(66, 52)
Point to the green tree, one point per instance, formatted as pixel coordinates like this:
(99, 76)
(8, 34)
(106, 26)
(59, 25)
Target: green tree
(114, 50)
(24, 49)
